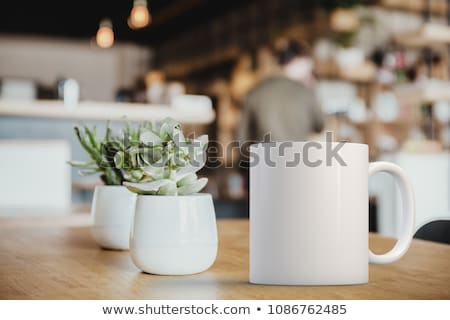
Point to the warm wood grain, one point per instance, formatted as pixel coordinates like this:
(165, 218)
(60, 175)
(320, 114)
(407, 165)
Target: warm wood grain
(57, 259)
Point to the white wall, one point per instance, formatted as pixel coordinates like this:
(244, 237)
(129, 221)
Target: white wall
(99, 71)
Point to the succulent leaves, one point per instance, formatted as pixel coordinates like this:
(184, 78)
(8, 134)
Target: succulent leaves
(149, 159)
(170, 161)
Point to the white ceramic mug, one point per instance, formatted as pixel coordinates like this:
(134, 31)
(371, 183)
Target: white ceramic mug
(309, 213)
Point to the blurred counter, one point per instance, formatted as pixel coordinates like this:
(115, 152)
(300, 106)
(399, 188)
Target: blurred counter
(89, 110)
(42, 123)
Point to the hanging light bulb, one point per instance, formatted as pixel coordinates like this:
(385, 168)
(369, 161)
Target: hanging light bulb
(139, 16)
(105, 34)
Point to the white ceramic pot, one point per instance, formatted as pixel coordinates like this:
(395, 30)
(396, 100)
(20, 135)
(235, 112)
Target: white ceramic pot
(349, 57)
(174, 235)
(112, 213)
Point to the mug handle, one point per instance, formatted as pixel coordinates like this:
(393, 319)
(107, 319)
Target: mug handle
(408, 212)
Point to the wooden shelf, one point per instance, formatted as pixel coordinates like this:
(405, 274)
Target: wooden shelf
(429, 35)
(183, 68)
(437, 7)
(425, 93)
(398, 123)
(52, 109)
(329, 70)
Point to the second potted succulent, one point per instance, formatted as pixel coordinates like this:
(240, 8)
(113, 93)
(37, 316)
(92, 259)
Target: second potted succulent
(174, 229)
(113, 204)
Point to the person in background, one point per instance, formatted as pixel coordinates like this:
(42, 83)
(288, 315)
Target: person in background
(284, 105)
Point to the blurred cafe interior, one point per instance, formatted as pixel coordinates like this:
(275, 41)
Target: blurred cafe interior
(378, 71)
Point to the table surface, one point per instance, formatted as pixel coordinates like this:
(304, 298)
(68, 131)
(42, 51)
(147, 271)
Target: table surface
(57, 258)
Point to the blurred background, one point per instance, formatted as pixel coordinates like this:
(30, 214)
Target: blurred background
(379, 71)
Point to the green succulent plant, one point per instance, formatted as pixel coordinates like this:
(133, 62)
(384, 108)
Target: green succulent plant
(164, 162)
(103, 151)
(99, 152)
(149, 159)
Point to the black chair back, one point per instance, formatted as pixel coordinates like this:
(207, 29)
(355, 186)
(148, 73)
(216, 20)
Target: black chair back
(438, 231)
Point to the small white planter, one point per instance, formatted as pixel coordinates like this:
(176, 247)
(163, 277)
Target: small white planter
(349, 57)
(112, 213)
(174, 235)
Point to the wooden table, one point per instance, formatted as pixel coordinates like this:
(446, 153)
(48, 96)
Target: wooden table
(56, 258)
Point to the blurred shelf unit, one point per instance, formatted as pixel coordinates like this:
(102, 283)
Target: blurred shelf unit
(185, 67)
(436, 7)
(394, 123)
(88, 110)
(427, 92)
(429, 35)
(363, 74)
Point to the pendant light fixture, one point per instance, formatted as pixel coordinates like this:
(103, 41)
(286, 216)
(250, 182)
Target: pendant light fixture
(139, 15)
(105, 34)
